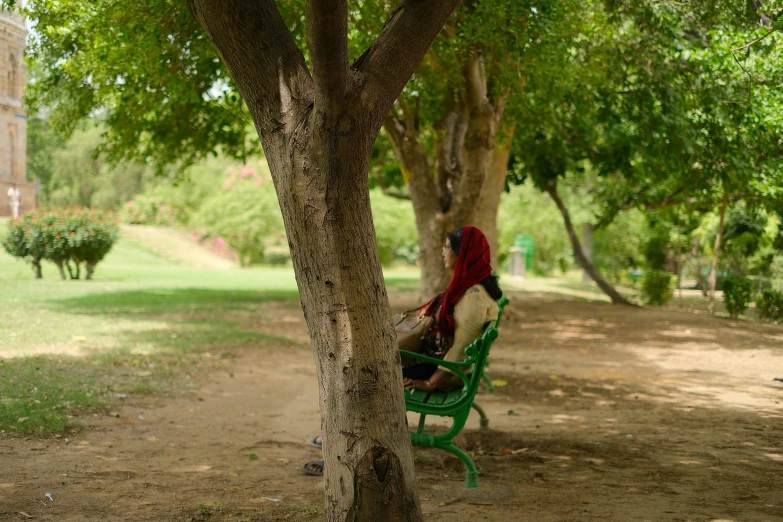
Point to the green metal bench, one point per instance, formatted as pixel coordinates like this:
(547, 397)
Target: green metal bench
(457, 403)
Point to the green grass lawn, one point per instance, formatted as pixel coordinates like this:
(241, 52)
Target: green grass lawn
(142, 325)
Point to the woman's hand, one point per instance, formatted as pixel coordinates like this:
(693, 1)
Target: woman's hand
(415, 384)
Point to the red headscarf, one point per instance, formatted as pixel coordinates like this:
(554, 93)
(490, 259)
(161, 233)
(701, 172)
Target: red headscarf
(473, 266)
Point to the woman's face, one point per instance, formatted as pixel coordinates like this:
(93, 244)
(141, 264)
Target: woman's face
(449, 257)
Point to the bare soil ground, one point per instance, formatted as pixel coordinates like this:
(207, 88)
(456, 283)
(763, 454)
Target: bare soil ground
(610, 413)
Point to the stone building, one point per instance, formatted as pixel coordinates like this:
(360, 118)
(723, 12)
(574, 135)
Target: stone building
(13, 120)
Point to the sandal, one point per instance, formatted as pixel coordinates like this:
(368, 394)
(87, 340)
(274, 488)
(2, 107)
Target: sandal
(309, 468)
(315, 444)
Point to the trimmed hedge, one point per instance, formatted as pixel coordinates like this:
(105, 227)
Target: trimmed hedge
(68, 238)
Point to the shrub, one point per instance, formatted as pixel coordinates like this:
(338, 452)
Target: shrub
(29, 238)
(148, 209)
(737, 293)
(244, 213)
(277, 256)
(769, 304)
(72, 235)
(18, 244)
(657, 287)
(395, 228)
(90, 236)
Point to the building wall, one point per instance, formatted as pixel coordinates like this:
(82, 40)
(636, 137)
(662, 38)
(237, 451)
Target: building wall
(13, 119)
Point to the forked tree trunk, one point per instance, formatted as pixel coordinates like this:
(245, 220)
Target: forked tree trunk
(579, 254)
(61, 268)
(462, 177)
(713, 279)
(37, 269)
(317, 132)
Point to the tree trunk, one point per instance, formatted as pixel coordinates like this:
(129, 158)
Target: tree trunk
(464, 159)
(716, 253)
(587, 247)
(367, 447)
(486, 214)
(579, 253)
(70, 269)
(317, 132)
(90, 270)
(37, 268)
(679, 276)
(431, 224)
(61, 267)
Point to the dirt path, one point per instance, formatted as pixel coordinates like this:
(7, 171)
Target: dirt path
(610, 413)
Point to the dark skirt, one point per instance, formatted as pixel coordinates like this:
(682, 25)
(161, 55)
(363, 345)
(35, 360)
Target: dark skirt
(420, 372)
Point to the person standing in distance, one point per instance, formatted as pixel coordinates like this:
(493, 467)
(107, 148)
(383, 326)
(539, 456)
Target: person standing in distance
(15, 196)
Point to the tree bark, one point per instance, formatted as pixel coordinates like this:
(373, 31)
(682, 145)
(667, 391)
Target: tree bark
(90, 270)
(37, 269)
(486, 214)
(587, 247)
(432, 224)
(317, 136)
(447, 194)
(579, 254)
(61, 268)
(716, 253)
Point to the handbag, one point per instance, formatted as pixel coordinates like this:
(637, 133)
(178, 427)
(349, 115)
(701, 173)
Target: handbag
(411, 328)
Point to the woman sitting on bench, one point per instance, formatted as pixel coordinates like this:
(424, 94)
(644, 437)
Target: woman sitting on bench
(459, 314)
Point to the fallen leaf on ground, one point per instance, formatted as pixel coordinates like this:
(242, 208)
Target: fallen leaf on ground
(499, 382)
(253, 456)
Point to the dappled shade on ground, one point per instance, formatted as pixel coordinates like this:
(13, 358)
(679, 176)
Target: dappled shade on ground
(610, 413)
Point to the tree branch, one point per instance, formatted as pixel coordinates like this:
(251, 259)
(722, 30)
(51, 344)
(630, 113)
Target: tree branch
(327, 43)
(393, 57)
(476, 82)
(278, 87)
(410, 119)
(379, 180)
(449, 161)
(395, 130)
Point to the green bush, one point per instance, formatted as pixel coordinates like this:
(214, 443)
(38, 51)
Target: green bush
(244, 212)
(395, 228)
(147, 209)
(657, 287)
(91, 235)
(20, 244)
(277, 256)
(769, 304)
(65, 237)
(737, 293)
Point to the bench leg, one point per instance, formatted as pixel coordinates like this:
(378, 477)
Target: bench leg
(422, 416)
(488, 382)
(471, 473)
(484, 419)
